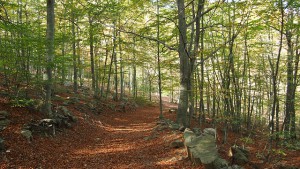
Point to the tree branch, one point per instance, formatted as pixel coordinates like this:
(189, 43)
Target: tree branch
(205, 12)
(149, 38)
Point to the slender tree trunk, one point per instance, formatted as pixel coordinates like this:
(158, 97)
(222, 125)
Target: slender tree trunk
(115, 66)
(293, 113)
(80, 69)
(104, 69)
(75, 84)
(134, 80)
(92, 52)
(50, 54)
(110, 70)
(158, 65)
(274, 72)
(289, 87)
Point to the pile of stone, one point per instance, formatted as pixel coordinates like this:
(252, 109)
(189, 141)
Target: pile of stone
(167, 123)
(63, 119)
(202, 149)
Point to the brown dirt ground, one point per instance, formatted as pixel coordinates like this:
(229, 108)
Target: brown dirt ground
(109, 140)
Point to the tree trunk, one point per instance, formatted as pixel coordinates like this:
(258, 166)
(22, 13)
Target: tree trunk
(92, 52)
(50, 55)
(115, 66)
(158, 65)
(184, 65)
(104, 70)
(75, 80)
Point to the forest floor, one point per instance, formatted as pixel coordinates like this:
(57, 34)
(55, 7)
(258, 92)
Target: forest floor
(111, 139)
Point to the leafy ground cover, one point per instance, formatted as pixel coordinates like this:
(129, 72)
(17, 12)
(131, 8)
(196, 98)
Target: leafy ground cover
(115, 139)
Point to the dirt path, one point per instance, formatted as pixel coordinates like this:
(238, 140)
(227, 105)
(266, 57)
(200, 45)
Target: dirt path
(109, 140)
(124, 144)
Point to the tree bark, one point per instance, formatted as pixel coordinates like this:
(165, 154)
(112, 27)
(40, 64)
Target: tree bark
(50, 54)
(184, 65)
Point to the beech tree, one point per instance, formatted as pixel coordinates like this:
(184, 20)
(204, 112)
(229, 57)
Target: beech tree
(50, 55)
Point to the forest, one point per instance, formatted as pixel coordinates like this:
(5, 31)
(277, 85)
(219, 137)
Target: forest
(149, 84)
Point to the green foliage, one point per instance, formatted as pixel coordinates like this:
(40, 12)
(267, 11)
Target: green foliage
(292, 145)
(22, 102)
(247, 140)
(142, 101)
(279, 152)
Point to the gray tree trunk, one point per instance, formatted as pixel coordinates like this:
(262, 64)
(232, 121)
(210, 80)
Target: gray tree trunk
(92, 52)
(50, 54)
(75, 84)
(184, 65)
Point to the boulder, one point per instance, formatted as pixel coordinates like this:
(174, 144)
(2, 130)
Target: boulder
(176, 144)
(210, 131)
(181, 128)
(220, 163)
(64, 113)
(233, 167)
(239, 155)
(201, 149)
(174, 126)
(197, 131)
(27, 134)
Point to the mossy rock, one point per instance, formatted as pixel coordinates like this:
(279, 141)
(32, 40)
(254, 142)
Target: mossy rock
(4, 113)
(220, 163)
(176, 144)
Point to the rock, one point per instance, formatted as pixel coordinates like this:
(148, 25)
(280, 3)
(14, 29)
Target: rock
(147, 138)
(181, 128)
(284, 166)
(197, 131)
(65, 103)
(74, 100)
(233, 167)
(210, 131)
(27, 134)
(201, 149)
(68, 125)
(73, 118)
(239, 155)
(188, 136)
(152, 136)
(220, 163)
(4, 123)
(64, 113)
(161, 128)
(64, 110)
(2, 145)
(174, 126)
(172, 110)
(176, 144)
(4, 114)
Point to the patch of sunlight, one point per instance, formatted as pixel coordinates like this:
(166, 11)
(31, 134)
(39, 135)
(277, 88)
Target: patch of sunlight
(126, 129)
(115, 148)
(119, 119)
(168, 161)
